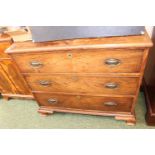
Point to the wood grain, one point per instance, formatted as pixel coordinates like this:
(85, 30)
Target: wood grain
(140, 41)
(87, 84)
(78, 71)
(5, 83)
(85, 102)
(15, 77)
(81, 61)
(149, 85)
(3, 47)
(12, 82)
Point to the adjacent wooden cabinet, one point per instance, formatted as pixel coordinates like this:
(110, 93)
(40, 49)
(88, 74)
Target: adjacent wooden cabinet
(149, 85)
(12, 84)
(99, 76)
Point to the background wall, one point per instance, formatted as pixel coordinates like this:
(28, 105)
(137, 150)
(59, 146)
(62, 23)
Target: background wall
(149, 30)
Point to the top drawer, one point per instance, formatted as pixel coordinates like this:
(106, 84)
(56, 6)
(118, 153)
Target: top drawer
(81, 61)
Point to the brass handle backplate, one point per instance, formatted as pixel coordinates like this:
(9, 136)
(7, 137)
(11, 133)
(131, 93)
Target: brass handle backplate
(45, 83)
(110, 103)
(112, 62)
(52, 101)
(111, 85)
(36, 64)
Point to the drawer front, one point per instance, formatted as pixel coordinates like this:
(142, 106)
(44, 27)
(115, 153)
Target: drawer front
(81, 61)
(71, 83)
(111, 104)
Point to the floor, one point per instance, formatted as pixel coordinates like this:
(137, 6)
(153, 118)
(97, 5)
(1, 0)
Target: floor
(22, 114)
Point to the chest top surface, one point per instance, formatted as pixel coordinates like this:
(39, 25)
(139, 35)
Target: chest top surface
(141, 41)
(5, 38)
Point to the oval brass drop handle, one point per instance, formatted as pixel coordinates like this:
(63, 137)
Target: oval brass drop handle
(111, 85)
(52, 101)
(110, 103)
(112, 62)
(45, 83)
(36, 64)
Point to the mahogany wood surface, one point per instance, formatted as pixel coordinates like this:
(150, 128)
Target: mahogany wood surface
(81, 61)
(5, 83)
(87, 84)
(140, 41)
(85, 102)
(12, 82)
(3, 46)
(15, 77)
(149, 85)
(78, 71)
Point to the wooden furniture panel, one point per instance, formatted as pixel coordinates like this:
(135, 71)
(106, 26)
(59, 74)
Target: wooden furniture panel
(4, 46)
(81, 61)
(12, 83)
(136, 42)
(71, 75)
(91, 84)
(5, 42)
(15, 77)
(5, 83)
(149, 85)
(84, 102)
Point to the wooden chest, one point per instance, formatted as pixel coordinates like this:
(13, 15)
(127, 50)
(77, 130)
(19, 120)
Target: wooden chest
(12, 83)
(99, 76)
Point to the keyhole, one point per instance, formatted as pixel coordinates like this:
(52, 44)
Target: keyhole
(69, 55)
(78, 97)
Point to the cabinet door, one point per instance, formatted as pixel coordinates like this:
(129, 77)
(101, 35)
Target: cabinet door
(16, 80)
(6, 85)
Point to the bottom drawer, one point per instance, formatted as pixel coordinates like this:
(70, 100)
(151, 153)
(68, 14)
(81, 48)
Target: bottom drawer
(85, 102)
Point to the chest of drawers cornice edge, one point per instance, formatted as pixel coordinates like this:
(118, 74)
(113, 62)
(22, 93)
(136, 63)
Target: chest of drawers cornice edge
(99, 76)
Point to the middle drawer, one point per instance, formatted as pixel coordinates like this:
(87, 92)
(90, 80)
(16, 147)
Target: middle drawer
(73, 83)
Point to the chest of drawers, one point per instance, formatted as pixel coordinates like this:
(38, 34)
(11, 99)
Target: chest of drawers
(99, 76)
